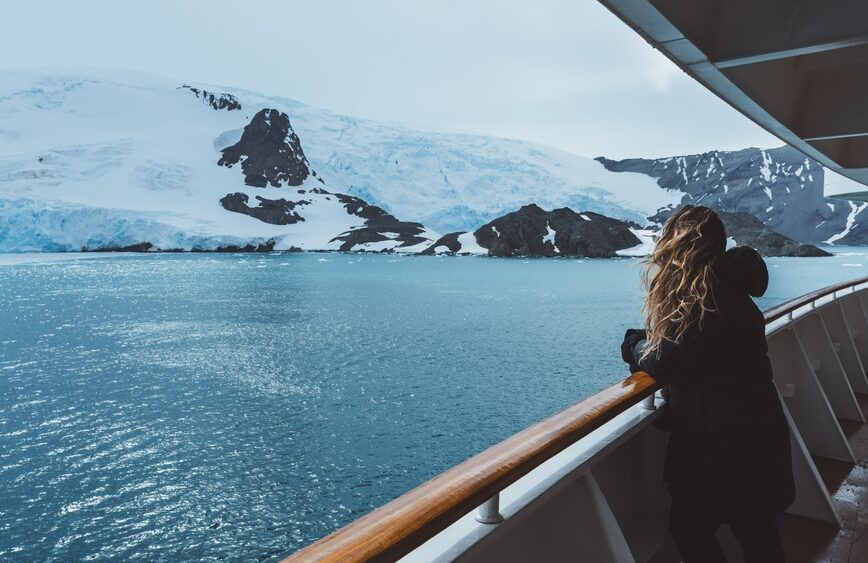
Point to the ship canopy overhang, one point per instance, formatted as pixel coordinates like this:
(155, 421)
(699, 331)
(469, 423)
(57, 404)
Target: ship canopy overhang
(798, 68)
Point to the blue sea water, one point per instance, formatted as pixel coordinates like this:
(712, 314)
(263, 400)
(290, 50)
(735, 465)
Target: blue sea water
(236, 407)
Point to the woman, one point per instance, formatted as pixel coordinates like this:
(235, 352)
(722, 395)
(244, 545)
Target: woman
(728, 460)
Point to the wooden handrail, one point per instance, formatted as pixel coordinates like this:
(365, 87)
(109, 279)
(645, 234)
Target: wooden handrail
(398, 527)
(775, 313)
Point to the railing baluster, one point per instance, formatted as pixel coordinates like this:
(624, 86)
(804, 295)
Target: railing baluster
(489, 512)
(648, 403)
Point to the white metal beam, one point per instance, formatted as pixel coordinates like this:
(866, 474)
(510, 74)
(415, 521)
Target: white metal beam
(815, 339)
(806, 399)
(838, 43)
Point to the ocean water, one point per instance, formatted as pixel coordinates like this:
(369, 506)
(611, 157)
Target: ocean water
(236, 407)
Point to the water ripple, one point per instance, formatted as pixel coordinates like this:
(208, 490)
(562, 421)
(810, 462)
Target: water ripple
(178, 407)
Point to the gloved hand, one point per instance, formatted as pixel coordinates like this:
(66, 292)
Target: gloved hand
(632, 337)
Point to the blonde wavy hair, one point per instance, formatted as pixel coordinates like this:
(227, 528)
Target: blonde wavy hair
(678, 275)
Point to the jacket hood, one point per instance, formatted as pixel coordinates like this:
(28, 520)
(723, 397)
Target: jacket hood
(742, 268)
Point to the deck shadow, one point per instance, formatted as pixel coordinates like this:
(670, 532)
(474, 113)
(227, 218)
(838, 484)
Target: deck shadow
(833, 472)
(809, 541)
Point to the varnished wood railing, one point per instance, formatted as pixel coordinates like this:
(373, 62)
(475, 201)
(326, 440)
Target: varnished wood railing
(398, 527)
(787, 308)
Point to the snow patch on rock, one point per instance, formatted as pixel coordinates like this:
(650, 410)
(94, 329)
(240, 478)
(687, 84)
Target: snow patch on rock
(645, 248)
(851, 222)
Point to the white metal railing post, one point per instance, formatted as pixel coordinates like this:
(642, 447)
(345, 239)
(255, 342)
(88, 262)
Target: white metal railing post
(489, 512)
(648, 402)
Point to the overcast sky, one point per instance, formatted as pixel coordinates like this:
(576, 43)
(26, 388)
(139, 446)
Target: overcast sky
(565, 73)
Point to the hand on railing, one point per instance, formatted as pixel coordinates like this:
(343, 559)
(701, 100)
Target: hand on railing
(632, 338)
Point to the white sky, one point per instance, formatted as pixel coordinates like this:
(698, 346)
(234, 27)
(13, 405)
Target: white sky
(565, 73)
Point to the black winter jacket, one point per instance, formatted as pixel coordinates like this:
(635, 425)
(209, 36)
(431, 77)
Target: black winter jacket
(730, 441)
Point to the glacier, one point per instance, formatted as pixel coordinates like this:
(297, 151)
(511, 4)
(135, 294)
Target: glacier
(458, 181)
(104, 161)
(94, 158)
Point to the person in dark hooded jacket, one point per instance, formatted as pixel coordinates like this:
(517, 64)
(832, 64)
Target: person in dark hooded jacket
(728, 459)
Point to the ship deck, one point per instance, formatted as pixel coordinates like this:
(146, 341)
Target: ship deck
(809, 541)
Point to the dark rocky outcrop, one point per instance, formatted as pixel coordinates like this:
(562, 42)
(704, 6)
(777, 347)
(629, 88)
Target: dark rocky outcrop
(449, 241)
(266, 246)
(532, 231)
(379, 225)
(273, 211)
(781, 187)
(361, 208)
(216, 101)
(137, 247)
(269, 152)
(747, 230)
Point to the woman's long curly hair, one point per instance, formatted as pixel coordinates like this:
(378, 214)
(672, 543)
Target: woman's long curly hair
(678, 275)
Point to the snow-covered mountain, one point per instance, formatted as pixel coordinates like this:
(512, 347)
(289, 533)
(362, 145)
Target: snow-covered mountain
(117, 161)
(111, 159)
(94, 158)
(457, 182)
(532, 231)
(781, 187)
(454, 181)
